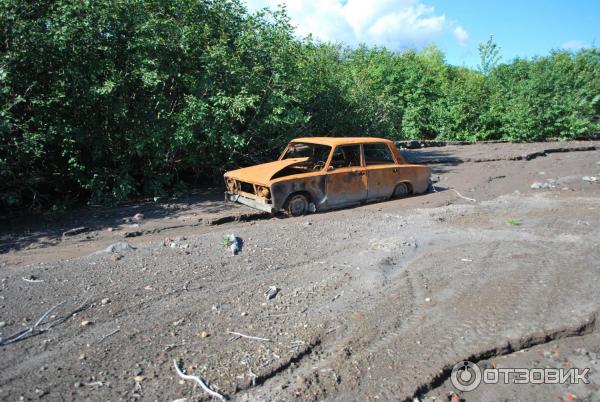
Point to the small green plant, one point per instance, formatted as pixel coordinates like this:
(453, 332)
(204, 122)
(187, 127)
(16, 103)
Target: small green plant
(513, 222)
(226, 242)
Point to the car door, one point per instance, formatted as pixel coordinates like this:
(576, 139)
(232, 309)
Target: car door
(346, 177)
(382, 171)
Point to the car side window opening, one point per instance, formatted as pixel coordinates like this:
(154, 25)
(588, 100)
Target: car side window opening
(377, 154)
(346, 156)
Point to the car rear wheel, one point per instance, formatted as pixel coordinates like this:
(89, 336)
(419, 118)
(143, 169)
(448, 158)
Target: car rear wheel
(401, 190)
(297, 205)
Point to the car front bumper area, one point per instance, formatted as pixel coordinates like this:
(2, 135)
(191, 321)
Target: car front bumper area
(251, 202)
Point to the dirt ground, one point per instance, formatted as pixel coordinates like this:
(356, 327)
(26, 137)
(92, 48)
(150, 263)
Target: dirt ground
(376, 302)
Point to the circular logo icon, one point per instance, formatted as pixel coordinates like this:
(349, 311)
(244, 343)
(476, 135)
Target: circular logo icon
(465, 376)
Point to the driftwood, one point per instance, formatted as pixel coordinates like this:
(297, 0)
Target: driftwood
(248, 336)
(463, 197)
(37, 328)
(199, 381)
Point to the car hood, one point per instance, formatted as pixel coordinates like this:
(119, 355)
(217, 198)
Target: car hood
(262, 174)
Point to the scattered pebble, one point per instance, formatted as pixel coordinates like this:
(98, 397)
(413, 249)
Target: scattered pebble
(272, 292)
(590, 179)
(357, 316)
(2, 324)
(204, 334)
(85, 323)
(138, 217)
(540, 185)
(139, 378)
(118, 247)
(428, 299)
(105, 300)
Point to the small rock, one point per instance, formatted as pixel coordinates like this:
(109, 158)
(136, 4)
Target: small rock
(2, 324)
(204, 334)
(138, 217)
(119, 247)
(244, 314)
(105, 300)
(235, 244)
(357, 316)
(589, 179)
(78, 385)
(85, 323)
(542, 173)
(139, 378)
(428, 299)
(539, 185)
(110, 229)
(272, 292)
(135, 233)
(82, 356)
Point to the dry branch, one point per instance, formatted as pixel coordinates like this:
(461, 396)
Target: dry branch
(199, 381)
(248, 336)
(37, 329)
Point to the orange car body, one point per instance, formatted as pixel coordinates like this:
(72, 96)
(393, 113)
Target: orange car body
(331, 172)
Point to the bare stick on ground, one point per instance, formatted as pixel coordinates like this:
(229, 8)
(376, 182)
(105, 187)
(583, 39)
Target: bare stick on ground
(109, 335)
(36, 329)
(199, 381)
(248, 336)
(32, 280)
(463, 197)
(30, 331)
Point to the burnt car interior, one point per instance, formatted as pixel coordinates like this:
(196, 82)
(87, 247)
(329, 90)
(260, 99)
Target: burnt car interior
(377, 154)
(346, 156)
(316, 155)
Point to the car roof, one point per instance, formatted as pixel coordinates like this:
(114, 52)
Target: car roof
(334, 141)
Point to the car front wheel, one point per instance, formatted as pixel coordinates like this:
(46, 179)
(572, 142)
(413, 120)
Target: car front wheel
(297, 205)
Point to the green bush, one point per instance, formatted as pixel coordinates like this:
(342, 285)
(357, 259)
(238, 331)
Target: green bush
(102, 101)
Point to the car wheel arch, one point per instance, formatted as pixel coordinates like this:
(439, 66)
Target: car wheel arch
(409, 188)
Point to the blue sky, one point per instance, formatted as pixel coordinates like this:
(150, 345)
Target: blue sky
(521, 28)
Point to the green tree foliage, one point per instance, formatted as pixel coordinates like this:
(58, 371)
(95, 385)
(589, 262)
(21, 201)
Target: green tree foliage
(112, 100)
(489, 53)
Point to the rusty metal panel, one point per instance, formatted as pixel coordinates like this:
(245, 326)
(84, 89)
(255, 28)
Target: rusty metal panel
(346, 186)
(261, 174)
(416, 175)
(382, 179)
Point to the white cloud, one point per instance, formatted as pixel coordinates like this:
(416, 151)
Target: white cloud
(461, 35)
(395, 24)
(575, 45)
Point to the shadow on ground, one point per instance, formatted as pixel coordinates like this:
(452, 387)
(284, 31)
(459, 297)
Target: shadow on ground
(47, 230)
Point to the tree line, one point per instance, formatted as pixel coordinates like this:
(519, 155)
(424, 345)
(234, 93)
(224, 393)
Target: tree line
(103, 101)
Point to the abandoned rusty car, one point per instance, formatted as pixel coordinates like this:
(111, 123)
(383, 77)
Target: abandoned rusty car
(322, 173)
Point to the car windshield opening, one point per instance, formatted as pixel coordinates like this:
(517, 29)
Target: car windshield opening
(316, 153)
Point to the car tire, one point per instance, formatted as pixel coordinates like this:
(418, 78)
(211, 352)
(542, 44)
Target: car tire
(297, 205)
(401, 190)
